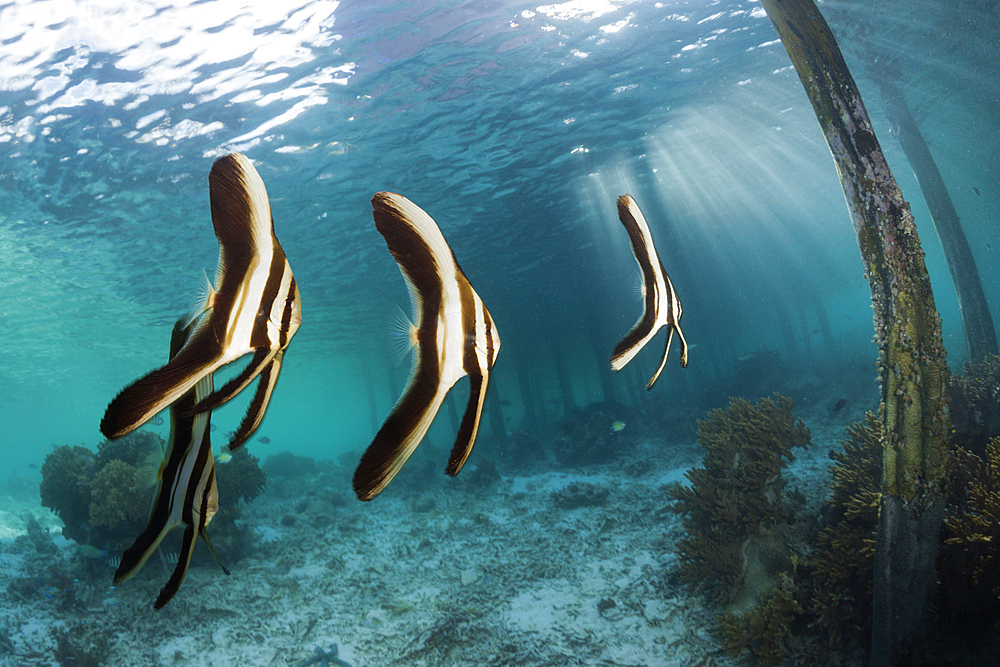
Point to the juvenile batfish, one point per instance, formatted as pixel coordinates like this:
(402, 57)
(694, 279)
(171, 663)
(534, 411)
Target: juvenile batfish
(188, 493)
(660, 304)
(256, 309)
(454, 336)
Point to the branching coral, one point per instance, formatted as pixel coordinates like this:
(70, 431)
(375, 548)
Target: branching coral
(969, 559)
(763, 630)
(845, 556)
(975, 404)
(736, 496)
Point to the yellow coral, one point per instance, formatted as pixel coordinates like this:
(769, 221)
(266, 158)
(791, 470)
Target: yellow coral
(118, 503)
(845, 556)
(737, 494)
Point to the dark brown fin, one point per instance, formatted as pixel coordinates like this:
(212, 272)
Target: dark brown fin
(148, 395)
(181, 431)
(639, 332)
(415, 259)
(257, 363)
(255, 411)
(466, 437)
(211, 549)
(400, 433)
(183, 561)
(236, 201)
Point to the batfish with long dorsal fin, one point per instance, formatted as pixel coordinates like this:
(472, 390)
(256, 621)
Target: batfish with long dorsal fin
(188, 493)
(661, 307)
(453, 336)
(256, 309)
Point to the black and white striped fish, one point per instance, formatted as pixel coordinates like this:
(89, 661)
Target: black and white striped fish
(453, 336)
(255, 309)
(188, 494)
(661, 307)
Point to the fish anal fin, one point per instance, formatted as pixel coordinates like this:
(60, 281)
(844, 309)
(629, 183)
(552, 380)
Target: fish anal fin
(150, 394)
(399, 436)
(177, 577)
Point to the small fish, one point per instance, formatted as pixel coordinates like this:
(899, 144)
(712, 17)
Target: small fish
(188, 493)
(90, 551)
(838, 406)
(617, 426)
(157, 420)
(455, 336)
(264, 439)
(661, 307)
(976, 190)
(256, 309)
(224, 457)
(213, 428)
(33, 466)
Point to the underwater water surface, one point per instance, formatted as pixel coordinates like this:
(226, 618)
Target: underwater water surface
(515, 126)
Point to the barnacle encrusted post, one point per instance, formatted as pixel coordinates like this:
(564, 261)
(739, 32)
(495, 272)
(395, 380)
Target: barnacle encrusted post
(907, 328)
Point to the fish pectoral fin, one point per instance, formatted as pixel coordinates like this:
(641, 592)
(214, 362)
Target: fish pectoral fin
(663, 361)
(258, 405)
(466, 437)
(261, 357)
(177, 578)
(211, 550)
(399, 436)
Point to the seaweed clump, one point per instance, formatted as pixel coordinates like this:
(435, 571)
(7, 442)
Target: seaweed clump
(104, 498)
(843, 567)
(733, 507)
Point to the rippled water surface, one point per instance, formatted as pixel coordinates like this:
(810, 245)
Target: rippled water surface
(515, 125)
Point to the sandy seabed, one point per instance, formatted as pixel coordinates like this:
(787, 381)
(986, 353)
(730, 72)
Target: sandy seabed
(446, 573)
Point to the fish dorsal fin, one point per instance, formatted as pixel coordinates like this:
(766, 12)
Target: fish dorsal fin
(241, 216)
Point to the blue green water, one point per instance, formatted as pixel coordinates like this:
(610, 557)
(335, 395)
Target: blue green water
(515, 126)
